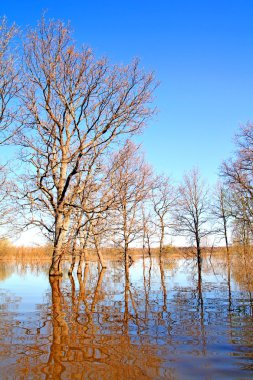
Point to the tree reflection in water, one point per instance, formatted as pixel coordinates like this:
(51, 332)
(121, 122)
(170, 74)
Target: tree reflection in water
(80, 333)
(108, 324)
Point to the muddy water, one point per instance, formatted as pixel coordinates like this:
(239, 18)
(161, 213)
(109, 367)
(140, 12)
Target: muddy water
(163, 324)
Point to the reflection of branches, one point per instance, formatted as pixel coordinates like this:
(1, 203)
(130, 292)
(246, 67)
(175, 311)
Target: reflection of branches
(201, 312)
(146, 287)
(229, 281)
(97, 292)
(116, 327)
(83, 298)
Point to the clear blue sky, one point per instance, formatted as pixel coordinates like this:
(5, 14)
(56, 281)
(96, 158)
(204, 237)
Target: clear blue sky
(201, 52)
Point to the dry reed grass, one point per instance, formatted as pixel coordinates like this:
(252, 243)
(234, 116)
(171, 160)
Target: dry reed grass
(11, 252)
(42, 253)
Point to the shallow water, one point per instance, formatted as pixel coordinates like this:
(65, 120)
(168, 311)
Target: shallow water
(163, 324)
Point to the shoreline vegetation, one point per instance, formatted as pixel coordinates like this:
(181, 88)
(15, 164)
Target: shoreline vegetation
(9, 252)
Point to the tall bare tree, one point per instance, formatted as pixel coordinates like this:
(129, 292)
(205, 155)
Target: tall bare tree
(76, 107)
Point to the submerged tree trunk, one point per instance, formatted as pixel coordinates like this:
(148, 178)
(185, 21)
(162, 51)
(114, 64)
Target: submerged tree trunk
(99, 253)
(228, 263)
(161, 238)
(55, 269)
(61, 227)
(229, 281)
(149, 246)
(80, 261)
(199, 258)
(163, 284)
(127, 262)
(82, 252)
(73, 260)
(97, 290)
(101, 259)
(225, 233)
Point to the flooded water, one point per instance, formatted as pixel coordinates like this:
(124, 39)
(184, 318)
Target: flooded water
(162, 324)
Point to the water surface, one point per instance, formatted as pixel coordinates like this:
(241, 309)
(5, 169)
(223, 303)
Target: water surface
(162, 324)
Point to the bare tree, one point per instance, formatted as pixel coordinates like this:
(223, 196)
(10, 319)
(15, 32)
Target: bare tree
(131, 184)
(149, 233)
(99, 228)
(192, 211)
(221, 210)
(164, 200)
(76, 107)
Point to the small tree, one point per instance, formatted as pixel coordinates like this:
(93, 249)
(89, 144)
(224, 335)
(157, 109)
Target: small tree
(221, 210)
(164, 200)
(149, 233)
(131, 186)
(192, 211)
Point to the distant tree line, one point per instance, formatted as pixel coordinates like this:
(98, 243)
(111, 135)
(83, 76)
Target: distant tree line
(80, 178)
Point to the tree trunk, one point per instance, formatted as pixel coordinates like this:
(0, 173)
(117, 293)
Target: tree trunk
(61, 227)
(161, 241)
(126, 259)
(126, 296)
(55, 269)
(101, 259)
(163, 284)
(199, 258)
(229, 281)
(149, 247)
(80, 262)
(97, 290)
(99, 253)
(225, 232)
(73, 261)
